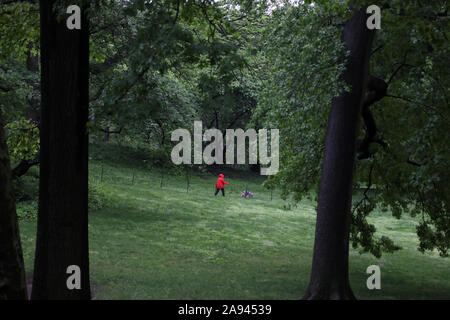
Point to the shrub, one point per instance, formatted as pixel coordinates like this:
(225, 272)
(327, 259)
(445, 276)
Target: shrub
(22, 139)
(26, 188)
(27, 210)
(98, 197)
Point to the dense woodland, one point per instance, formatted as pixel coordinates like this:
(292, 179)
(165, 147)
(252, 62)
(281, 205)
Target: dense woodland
(358, 110)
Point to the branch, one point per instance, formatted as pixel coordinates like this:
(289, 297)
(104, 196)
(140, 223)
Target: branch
(128, 87)
(409, 161)
(402, 64)
(377, 90)
(178, 11)
(23, 167)
(369, 185)
(98, 94)
(376, 49)
(97, 68)
(115, 131)
(6, 89)
(418, 103)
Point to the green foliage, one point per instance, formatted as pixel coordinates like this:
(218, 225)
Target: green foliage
(18, 88)
(19, 26)
(362, 233)
(27, 187)
(159, 65)
(411, 174)
(303, 60)
(98, 197)
(304, 56)
(27, 210)
(160, 158)
(22, 139)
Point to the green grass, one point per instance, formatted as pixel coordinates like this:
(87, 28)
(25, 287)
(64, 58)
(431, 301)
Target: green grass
(153, 243)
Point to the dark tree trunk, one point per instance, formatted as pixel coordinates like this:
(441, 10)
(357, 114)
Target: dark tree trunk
(107, 133)
(12, 271)
(329, 274)
(62, 235)
(32, 61)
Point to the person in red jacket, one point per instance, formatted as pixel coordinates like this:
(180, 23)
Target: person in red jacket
(220, 185)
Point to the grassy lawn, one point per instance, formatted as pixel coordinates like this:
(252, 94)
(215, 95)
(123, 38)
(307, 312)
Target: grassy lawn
(166, 243)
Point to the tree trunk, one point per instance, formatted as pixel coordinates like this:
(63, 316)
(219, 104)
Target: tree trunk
(12, 271)
(106, 136)
(32, 61)
(62, 235)
(329, 274)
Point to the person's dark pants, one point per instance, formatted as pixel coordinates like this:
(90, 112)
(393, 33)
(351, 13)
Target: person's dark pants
(217, 191)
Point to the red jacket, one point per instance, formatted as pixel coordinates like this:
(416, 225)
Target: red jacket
(220, 182)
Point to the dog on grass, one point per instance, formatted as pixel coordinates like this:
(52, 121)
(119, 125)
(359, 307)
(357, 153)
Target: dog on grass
(247, 194)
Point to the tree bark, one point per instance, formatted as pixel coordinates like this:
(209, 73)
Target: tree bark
(12, 271)
(329, 274)
(23, 167)
(376, 90)
(106, 136)
(62, 235)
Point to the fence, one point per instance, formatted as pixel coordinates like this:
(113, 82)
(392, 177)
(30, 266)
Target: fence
(161, 179)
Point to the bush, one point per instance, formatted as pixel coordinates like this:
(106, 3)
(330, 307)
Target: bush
(22, 139)
(27, 210)
(98, 197)
(26, 188)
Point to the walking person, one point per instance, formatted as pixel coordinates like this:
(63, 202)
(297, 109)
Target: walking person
(220, 185)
